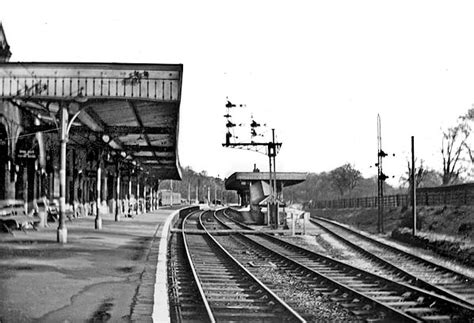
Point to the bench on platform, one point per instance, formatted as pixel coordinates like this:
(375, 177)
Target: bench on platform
(13, 215)
(52, 210)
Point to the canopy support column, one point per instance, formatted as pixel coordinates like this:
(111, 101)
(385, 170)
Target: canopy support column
(152, 198)
(129, 207)
(138, 195)
(145, 196)
(98, 219)
(117, 192)
(62, 230)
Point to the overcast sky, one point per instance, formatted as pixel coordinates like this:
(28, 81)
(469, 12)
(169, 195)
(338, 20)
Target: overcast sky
(318, 72)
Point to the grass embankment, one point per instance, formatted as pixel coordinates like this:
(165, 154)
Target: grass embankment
(447, 230)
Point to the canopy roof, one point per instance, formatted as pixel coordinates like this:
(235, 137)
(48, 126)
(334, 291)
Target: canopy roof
(132, 109)
(240, 181)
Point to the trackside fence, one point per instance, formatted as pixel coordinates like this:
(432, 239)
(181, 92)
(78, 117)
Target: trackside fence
(462, 194)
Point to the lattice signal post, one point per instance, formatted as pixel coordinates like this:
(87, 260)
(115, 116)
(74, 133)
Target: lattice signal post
(381, 177)
(272, 151)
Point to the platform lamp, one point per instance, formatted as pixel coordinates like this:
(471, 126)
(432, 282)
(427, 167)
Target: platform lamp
(106, 138)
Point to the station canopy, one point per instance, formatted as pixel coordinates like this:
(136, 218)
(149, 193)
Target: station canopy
(240, 181)
(130, 109)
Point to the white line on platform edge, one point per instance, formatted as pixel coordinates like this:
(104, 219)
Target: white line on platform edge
(160, 297)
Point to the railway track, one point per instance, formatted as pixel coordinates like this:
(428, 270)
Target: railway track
(405, 266)
(184, 305)
(230, 293)
(368, 296)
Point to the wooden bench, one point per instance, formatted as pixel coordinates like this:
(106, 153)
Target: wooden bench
(52, 211)
(13, 215)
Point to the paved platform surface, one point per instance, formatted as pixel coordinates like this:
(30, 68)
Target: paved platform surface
(98, 276)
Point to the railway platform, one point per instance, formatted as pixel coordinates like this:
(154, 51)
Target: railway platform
(99, 275)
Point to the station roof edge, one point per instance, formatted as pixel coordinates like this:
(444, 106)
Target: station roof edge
(289, 178)
(172, 66)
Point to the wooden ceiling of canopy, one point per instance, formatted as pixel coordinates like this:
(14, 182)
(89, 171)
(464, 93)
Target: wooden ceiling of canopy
(132, 108)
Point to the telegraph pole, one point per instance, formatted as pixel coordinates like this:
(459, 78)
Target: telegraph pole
(413, 184)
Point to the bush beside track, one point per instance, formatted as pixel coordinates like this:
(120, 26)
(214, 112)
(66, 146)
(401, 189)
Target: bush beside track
(447, 248)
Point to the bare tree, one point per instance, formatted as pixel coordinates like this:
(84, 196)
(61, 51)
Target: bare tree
(453, 145)
(470, 152)
(420, 172)
(425, 177)
(468, 119)
(345, 178)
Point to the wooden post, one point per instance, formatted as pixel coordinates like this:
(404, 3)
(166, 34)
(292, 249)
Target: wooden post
(413, 183)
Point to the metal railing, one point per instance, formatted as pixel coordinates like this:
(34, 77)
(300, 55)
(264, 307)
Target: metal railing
(462, 194)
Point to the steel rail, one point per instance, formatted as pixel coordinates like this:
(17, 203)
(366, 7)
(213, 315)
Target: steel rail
(459, 306)
(393, 248)
(195, 275)
(394, 312)
(184, 300)
(254, 278)
(241, 274)
(415, 280)
(423, 283)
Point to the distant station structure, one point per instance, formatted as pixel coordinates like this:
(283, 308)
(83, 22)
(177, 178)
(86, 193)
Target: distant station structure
(254, 190)
(271, 149)
(91, 137)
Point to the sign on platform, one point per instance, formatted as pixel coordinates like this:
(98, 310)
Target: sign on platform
(26, 154)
